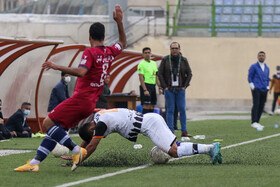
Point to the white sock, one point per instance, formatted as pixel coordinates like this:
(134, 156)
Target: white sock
(186, 149)
(76, 150)
(34, 162)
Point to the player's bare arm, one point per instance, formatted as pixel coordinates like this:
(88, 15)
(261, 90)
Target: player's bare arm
(118, 16)
(79, 72)
(91, 147)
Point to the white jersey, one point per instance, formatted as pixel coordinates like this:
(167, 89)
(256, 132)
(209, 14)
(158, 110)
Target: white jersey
(128, 123)
(123, 121)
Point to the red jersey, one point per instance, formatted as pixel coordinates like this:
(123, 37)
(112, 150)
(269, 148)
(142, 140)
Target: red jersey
(97, 60)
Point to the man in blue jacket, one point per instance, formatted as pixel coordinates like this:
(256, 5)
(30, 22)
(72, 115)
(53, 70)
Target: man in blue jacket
(259, 83)
(59, 92)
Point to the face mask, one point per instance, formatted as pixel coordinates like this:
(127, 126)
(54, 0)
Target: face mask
(67, 79)
(26, 112)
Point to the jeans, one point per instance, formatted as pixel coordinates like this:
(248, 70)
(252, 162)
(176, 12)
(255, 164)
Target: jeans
(178, 96)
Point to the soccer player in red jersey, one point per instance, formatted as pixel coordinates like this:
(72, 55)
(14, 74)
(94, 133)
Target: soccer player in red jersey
(91, 73)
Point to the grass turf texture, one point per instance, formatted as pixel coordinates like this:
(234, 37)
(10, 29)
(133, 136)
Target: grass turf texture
(255, 164)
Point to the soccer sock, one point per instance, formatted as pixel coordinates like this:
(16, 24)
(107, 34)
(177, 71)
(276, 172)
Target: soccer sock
(60, 136)
(47, 145)
(145, 111)
(186, 149)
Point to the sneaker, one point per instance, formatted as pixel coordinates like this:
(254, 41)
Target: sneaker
(185, 134)
(256, 125)
(260, 126)
(215, 154)
(28, 167)
(78, 158)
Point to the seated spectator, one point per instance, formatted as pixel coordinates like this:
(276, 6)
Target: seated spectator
(102, 101)
(59, 92)
(17, 123)
(4, 133)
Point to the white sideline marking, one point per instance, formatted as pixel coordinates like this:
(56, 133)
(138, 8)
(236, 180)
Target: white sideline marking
(147, 165)
(104, 176)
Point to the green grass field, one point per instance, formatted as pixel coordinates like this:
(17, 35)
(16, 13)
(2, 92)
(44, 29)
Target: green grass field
(253, 164)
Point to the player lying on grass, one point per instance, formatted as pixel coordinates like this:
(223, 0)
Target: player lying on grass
(129, 123)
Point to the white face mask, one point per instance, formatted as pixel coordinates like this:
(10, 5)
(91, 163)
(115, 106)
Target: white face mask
(26, 112)
(67, 79)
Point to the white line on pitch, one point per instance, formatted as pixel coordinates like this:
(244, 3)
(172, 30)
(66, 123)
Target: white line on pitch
(147, 165)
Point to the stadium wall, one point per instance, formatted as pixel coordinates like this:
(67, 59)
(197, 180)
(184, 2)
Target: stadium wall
(220, 68)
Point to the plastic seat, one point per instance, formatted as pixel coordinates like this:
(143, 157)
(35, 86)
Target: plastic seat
(269, 2)
(249, 2)
(276, 19)
(218, 18)
(219, 2)
(255, 19)
(218, 10)
(238, 2)
(227, 10)
(237, 10)
(248, 10)
(246, 19)
(225, 19)
(228, 2)
(267, 18)
(268, 10)
(277, 10)
(235, 18)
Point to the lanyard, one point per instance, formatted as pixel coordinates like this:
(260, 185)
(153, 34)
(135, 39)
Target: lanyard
(178, 64)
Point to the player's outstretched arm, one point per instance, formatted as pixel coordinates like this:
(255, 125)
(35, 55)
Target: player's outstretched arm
(91, 147)
(79, 72)
(118, 16)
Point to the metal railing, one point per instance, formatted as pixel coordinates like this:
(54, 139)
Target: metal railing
(213, 25)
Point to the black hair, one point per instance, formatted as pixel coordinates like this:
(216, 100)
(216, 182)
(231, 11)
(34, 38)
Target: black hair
(84, 132)
(175, 43)
(146, 48)
(261, 52)
(24, 104)
(63, 73)
(97, 31)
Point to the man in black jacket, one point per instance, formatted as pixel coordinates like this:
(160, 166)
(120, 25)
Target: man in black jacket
(175, 75)
(59, 92)
(17, 123)
(4, 133)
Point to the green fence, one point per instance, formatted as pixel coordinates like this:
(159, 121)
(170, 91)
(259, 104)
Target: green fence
(213, 25)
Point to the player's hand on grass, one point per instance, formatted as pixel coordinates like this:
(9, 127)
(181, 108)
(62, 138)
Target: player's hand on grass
(118, 14)
(67, 165)
(49, 65)
(66, 157)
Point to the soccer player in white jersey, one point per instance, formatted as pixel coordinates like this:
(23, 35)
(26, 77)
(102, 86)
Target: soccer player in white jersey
(129, 123)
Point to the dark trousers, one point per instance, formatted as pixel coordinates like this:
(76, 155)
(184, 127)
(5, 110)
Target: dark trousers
(4, 133)
(275, 97)
(259, 99)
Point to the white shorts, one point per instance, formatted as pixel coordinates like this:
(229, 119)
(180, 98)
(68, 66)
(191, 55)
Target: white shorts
(154, 127)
